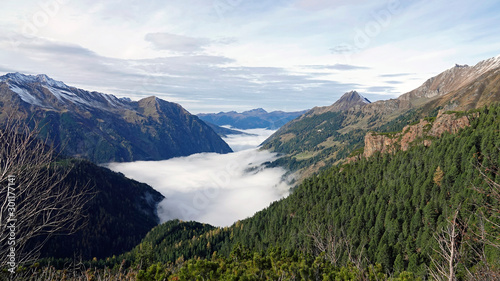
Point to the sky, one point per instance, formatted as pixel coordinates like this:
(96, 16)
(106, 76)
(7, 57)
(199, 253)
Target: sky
(217, 189)
(221, 55)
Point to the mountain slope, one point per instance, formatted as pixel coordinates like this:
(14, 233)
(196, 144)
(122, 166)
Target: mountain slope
(103, 128)
(118, 215)
(326, 135)
(252, 119)
(224, 132)
(385, 209)
(316, 139)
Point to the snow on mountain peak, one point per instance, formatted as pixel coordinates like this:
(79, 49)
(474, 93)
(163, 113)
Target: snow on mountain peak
(65, 95)
(51, 82)
(20, 78)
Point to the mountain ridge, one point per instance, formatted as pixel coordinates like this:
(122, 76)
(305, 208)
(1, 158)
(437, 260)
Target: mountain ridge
(251, 119)
(324, 136)
(102, 127)
(349, 100)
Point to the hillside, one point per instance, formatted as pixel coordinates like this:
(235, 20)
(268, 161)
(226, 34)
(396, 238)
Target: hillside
(325, 135)
(120, 213)
(251, 119)
(384, 210)
(224, 132)
(103, 128)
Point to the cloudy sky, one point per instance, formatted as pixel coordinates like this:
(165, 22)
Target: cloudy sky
(219, 55)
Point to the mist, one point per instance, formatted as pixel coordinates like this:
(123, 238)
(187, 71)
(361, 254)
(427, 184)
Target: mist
(217, 189)
(252, 139)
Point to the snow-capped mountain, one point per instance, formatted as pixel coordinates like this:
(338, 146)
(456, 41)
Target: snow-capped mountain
(102, 127)
(40, 90)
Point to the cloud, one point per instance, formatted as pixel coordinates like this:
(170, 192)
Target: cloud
(390, 75)
(393, 82)
(322, 4)
(337, 66)
(177, 43)
(200, 82)
(246, 54)
(380, 89)
(243, 142)
(218, 189)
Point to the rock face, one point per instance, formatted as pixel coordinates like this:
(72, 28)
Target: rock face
(101, 127)
(423, 132)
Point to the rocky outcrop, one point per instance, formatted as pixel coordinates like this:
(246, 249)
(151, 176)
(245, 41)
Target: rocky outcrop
(422, 133)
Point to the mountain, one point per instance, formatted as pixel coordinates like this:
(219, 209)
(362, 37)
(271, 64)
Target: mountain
(326, 135)
(252, 119)
(350, 100)
(102, 127)
(317, 139)
(119, 214)
(224, 132)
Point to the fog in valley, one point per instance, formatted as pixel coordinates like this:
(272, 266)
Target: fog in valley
(218, 189)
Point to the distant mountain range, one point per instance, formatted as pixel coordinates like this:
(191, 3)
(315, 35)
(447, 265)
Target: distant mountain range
(252, 119)
(102, 127)
(327, 135)
(224, 132)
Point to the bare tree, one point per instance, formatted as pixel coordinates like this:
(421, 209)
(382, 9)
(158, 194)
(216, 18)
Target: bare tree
(329, 244)
(444, 266)
(34, 201)
(336, 247)
(490, 211)
(485, 230)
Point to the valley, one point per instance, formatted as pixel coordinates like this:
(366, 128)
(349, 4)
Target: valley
(217, 189)
(221, 140)
(364, 188)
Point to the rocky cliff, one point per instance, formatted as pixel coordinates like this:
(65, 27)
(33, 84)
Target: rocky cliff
(421, 133)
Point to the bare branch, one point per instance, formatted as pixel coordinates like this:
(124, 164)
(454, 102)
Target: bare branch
(34, 202)
(448, 253)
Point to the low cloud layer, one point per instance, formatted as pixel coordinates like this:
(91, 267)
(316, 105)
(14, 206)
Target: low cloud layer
(211, 188)
(254, 138)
